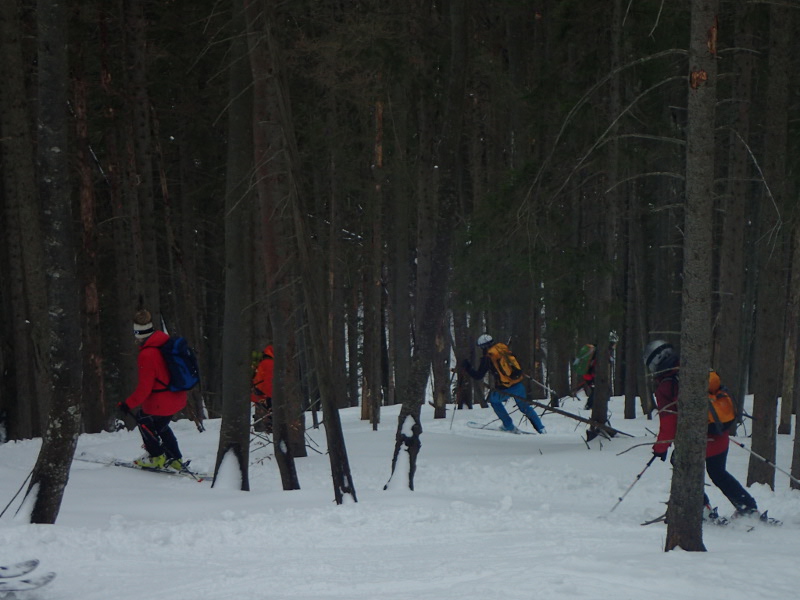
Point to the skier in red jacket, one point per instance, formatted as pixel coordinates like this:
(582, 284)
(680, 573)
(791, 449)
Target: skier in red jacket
(663, 362)
(261, 392)
(156, 403)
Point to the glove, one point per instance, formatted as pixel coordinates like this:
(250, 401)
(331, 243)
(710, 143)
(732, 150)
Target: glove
(661, 455)
(465, 365)
(124, 408)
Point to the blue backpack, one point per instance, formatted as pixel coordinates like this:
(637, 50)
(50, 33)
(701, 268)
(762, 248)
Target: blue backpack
(184, 372)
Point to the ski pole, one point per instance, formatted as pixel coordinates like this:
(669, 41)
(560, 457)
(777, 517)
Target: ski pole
(630, 487)
(17, 494)
(455, 400)
(771, 464)
(544, 387)
(548, 389)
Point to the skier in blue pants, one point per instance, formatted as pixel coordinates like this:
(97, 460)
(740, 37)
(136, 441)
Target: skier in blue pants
(507, 375)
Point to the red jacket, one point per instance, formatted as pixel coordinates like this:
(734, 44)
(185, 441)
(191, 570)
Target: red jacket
(262, 380)
(667, 402)
(153, 375)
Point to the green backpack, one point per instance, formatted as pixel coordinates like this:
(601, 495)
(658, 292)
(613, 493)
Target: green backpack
(582, 361)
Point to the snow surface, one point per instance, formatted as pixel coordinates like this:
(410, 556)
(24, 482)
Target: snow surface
(494, 516)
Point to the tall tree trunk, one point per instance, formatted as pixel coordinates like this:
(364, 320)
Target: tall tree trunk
(791, 368)
(309, 276)
(335, 298)
(686, 494)
(352, 308)
(433, 258)
(141, 182)
(95, 409)
(186, 251)
(373, 292)
(771, 294)
(27, 287)
(119, 349)
(440, 369)
(734, 311)
(285, 393)
(51, 472)
(401, 208)
(462, 346)
(787, 74)
(272, 171)
(180, 310)
(633, 334)
(240, 206)
(609, 208)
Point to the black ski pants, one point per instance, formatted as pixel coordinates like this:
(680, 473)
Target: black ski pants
(727, 483)
(158, 437)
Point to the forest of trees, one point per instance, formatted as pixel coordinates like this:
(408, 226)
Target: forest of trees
(370, 185)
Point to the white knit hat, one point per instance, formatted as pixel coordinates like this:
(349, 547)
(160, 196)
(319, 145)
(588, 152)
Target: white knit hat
(141, 332)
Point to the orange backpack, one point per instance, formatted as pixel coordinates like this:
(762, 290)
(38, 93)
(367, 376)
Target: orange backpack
(722, 410)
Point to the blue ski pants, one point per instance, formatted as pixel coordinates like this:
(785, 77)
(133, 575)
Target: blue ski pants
(518, 394)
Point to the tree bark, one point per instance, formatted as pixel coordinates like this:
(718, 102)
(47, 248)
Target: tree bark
(771, 252)
(434, 252)
(686, 494)
(730, 353)
(95, 409)
(271, 170)
(27, 412)
(141, 156)
(372, 295)
(240, 206)
(309, 277)
(51, 472)
(609, 202)
(791, 369)
(440, 369)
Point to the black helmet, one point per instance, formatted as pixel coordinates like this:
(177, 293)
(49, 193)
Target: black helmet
(658, 355)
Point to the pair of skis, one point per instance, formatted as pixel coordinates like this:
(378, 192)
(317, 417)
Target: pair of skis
(763, 519)
(185, 472)
(15, 578)
(487, 427)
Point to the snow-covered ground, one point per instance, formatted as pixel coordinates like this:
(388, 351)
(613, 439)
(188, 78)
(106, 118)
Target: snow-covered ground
(494, 516)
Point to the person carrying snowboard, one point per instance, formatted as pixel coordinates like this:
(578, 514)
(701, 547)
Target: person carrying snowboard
(507, 375)
(157, 404)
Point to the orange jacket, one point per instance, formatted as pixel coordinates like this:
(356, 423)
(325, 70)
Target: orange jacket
(262, 380)
(153, 376)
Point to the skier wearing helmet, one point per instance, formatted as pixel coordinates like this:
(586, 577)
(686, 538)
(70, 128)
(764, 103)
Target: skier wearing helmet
(507, 375)
(663, 362)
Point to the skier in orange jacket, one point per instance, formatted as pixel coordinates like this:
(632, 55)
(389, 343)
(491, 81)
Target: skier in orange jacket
(261, 392)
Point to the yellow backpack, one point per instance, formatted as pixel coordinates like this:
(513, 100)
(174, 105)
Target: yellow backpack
(505, 365)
